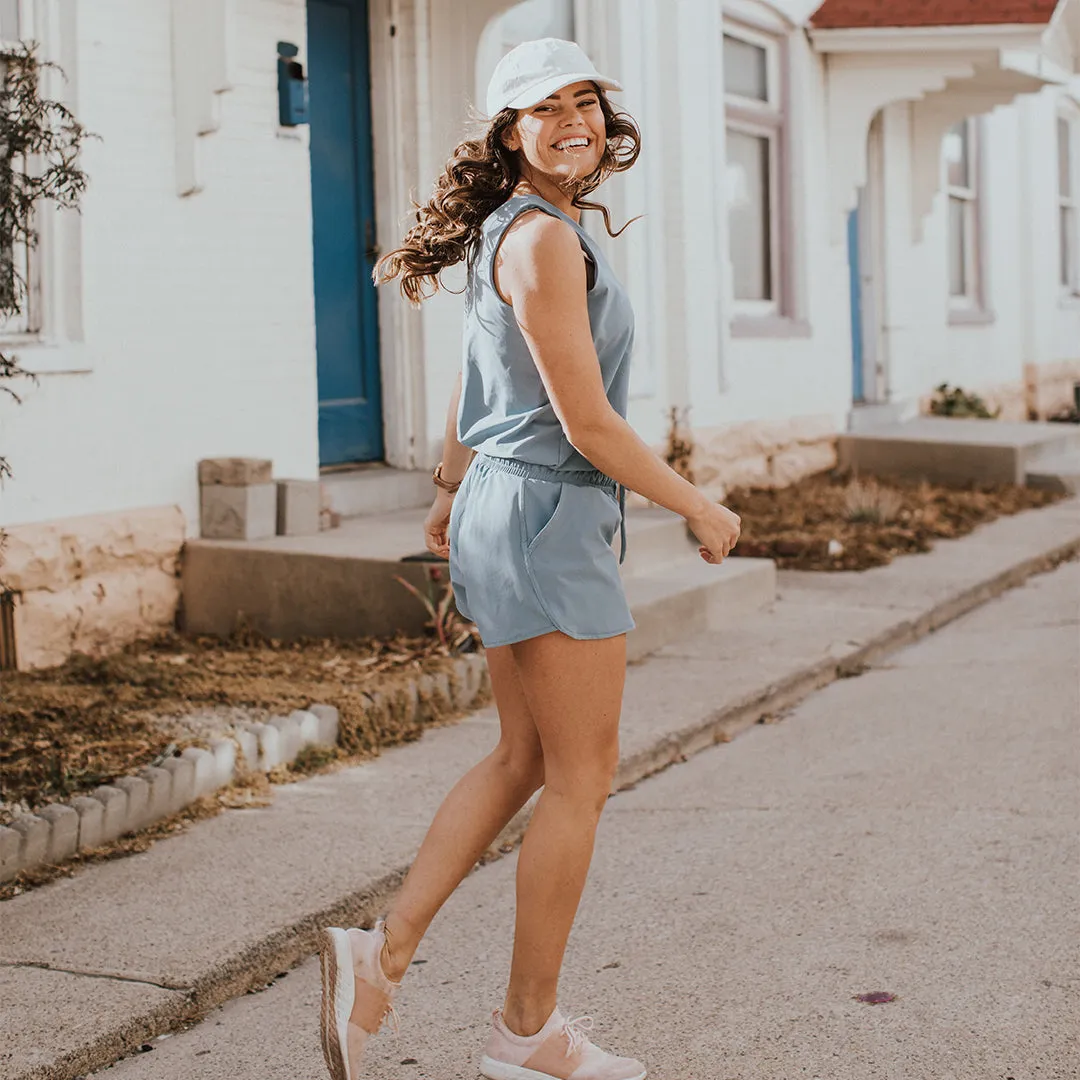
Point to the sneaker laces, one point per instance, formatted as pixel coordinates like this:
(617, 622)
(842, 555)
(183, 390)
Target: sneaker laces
(391, 1016)
(576, 1033)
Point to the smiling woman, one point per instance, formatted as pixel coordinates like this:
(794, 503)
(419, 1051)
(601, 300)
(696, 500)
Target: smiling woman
(528, 527)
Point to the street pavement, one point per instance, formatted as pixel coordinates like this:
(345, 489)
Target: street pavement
(911, 830)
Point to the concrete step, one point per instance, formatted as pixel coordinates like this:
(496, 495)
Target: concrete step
(376, 489)
(948, 450)
(1059, 473)
(689, 597)
(341, 583)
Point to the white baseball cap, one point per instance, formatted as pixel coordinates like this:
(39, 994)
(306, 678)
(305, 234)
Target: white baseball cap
(536, 70)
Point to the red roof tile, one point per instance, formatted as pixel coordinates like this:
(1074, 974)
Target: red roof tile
(836, 14)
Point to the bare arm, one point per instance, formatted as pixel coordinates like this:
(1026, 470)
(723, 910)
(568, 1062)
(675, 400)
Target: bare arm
(455, 461)
(541, 273)
(456, 456)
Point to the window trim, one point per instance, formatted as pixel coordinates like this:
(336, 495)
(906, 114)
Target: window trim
(1070, 116)
(970, 308)
(27, 325)
(771, 120)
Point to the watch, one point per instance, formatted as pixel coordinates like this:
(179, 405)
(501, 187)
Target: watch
(438, 480)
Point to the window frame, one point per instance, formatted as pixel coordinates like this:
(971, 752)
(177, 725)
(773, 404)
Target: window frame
(1068, 203)
(969, 306)
(767, 119)
(27, 325)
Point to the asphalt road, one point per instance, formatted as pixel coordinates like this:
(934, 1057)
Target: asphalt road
(913, 830)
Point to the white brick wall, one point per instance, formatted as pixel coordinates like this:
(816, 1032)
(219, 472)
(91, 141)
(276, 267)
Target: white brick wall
(198, 311)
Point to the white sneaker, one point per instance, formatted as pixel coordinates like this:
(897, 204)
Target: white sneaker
(560, 1050)
(356, 996)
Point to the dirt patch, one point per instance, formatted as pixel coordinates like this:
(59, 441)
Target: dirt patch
(832, 522)
(65, 730)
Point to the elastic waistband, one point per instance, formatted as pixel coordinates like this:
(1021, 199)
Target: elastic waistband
(530, 471)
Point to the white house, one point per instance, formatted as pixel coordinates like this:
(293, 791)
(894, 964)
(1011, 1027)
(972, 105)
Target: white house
(842, 208)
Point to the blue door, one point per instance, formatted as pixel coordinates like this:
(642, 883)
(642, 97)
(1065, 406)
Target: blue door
(343, 213)
(858, 388)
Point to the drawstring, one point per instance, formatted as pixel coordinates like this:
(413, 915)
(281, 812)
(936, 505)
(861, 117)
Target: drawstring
(622, 522)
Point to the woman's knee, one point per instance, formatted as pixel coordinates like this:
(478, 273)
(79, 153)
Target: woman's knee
(524, 764)
(588, 781)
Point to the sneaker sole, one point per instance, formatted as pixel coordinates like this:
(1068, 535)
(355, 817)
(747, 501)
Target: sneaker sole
(499, 1070)
(335, 962)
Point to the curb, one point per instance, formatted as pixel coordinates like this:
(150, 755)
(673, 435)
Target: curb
(260, 963)
(55, 833)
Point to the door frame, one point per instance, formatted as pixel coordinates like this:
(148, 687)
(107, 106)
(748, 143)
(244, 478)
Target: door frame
(398, 48)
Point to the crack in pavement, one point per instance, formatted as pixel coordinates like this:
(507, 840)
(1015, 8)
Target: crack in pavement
(91, 974)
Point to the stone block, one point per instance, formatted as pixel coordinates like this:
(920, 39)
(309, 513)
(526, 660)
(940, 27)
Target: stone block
(10, 842)
(63, 832)
(464, 686)
(327, 715)
(182, 790)
(95, 615)
(137, 790)
(238, 513)
(203, 763)
(248, 743)
(235, 472)
(159, 801)
(410, 698)
(34, 839)
(91, 821)
(435, 692)
(224, 753)
(288, 729)
(298, 503)
(54, 555)
(476, 668)
(800, 461)
(115, 802)
(309, 727)
(269, 746)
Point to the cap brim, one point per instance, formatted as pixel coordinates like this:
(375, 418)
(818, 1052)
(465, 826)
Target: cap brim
(535, 94)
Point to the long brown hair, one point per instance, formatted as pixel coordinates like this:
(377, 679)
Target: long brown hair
(478, 179)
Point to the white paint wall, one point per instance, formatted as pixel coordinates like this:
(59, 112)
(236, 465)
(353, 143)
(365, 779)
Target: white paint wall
(198, 313)
(1031, 321)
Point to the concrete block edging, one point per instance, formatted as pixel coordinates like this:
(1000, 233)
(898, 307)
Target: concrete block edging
(59, 831)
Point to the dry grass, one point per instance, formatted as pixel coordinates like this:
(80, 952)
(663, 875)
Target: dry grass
(66, 730)
(834, 522)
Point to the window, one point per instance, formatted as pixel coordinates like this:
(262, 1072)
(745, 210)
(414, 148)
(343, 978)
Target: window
(9, 20)
(14, 263)
(1069, 203)
(755, 133)
(964, 247)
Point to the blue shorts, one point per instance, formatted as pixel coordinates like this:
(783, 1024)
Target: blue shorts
(529, 555)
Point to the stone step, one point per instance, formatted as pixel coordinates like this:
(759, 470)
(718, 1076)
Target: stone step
(376, 489)
(948, 450)
(1059, 473)
(690, 597)
(342, 582)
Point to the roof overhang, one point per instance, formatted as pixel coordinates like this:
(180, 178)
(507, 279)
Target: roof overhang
(947, 73)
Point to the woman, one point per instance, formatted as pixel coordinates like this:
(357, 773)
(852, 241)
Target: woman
(542, 400)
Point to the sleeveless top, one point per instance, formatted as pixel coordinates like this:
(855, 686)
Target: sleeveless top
(504, 409)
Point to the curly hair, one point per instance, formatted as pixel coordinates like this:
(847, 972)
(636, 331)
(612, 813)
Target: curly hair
(477, 180)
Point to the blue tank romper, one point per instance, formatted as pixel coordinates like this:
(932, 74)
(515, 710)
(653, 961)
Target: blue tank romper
(532, 525)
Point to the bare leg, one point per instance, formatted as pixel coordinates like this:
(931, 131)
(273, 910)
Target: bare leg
(574, 691)
(470, 818)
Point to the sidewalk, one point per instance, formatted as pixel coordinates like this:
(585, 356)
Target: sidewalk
(92, 966)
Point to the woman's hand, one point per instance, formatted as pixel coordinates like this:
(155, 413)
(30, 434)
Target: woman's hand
(437, 525)
(717, 528)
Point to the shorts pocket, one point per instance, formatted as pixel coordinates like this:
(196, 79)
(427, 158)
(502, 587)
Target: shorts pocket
(541, 501)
